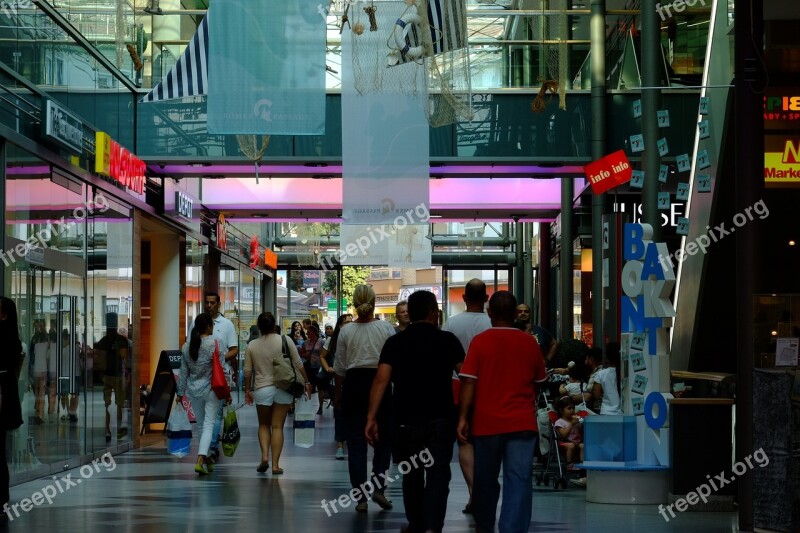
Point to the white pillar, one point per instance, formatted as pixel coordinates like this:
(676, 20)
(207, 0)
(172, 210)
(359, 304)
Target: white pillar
(164, 296)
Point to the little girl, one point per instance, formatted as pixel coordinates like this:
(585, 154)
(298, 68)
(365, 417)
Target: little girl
(569, 428)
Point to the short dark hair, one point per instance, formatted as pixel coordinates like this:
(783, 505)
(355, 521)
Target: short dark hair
(213, 294)
(421, 304)
(266, 323)
(475, 291)
(563, 402)
(503, 306)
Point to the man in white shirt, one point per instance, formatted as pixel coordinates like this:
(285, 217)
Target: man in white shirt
(225, 333)
(465, 326)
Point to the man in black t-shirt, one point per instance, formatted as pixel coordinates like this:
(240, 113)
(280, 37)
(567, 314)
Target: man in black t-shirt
(419, 362)
(113, 350)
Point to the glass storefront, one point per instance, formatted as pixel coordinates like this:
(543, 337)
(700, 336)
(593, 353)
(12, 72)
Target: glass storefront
(69, 267)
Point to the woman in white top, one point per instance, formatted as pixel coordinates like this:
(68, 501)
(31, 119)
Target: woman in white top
(606, 382)
(358, 350)
(272, 403)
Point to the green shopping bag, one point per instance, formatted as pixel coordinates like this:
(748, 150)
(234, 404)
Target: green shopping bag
(230, 433)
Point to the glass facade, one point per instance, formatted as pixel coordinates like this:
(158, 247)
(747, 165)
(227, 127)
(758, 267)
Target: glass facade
(70, 272)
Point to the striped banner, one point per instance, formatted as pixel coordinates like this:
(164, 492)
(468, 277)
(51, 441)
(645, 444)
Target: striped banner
(189, 77)
(448, 23)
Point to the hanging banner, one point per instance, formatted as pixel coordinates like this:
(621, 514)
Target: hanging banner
(410, 247)
(266, 68)
(363, 244)
(385, 153)
(608, 172)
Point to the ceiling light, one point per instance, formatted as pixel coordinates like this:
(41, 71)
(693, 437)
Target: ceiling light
(791, 243)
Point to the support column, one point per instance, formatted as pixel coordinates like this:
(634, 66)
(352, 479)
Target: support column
(651, 97)
(527, 267)
(566, 303)
(545, 297)
(749, 165)
(4, 197)
(165, 296)
(519, 273)
(597, 28)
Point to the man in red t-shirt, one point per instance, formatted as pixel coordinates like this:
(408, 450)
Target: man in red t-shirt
(500, 373)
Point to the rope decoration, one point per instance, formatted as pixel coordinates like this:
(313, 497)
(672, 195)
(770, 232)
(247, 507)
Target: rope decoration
(539, 104)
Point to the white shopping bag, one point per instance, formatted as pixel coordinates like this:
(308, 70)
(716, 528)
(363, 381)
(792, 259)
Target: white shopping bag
(304, 422)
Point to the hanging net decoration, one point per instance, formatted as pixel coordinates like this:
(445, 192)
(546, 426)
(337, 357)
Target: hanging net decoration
(253, 148)
(555, 52)
(308, 244)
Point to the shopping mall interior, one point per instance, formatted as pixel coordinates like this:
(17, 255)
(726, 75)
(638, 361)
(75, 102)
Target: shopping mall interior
(623, 167)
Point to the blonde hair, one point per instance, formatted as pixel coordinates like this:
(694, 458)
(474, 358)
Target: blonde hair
(364, 300)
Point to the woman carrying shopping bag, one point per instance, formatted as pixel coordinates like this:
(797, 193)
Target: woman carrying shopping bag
(195, 381)
(272, 403)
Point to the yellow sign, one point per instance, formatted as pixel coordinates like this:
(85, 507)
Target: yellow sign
(781, 160)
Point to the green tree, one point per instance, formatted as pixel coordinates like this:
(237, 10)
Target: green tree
(351, 278)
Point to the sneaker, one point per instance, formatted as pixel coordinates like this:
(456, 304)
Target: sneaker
(381, 500)
(340, 454)
(362, 507)
(201, 469)
(580, 482)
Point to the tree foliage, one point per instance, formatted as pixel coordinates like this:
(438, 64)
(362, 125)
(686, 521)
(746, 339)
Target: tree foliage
(351, 278)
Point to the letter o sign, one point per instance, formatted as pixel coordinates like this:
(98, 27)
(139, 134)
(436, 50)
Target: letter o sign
(655, 399)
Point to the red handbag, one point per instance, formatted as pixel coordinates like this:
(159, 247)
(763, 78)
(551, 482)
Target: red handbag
(218, 382)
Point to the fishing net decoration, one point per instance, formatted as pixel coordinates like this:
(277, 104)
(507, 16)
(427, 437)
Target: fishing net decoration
(555, 51)
(388, 35)
(308, 247)
(253, 148)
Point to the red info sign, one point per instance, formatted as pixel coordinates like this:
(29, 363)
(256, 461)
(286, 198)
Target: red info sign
(608, 172)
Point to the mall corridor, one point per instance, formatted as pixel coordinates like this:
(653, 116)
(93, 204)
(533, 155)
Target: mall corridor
(148, 490)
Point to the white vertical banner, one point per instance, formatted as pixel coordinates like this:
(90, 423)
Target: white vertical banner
(364, 244)
(385, 147)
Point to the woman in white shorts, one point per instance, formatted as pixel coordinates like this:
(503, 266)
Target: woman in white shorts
(272, 404)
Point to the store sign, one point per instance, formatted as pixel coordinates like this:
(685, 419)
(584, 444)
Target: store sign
(118, 163)
(184, 205)
(781, 160)
(676, 211)
(781, 108)
(254, 255)
(270, 259)
(408, 291)
(63, 127)
(608, 172)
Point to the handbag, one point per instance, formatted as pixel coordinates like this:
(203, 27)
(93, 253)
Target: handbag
(230, 433)
(284, 373)
(304, 423)
(219, 383)
(179, 432)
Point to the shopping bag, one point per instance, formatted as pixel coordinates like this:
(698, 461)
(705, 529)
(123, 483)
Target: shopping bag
(230, 433)
(545, 431)
(304, 423)
(219, 382)
(179, 432)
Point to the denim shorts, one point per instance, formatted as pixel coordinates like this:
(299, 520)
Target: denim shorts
(271, 394)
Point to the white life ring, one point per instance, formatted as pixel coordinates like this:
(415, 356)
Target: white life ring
(408, 35)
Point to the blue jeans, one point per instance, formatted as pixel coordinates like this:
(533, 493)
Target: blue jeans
(515, 452)
(426, 449)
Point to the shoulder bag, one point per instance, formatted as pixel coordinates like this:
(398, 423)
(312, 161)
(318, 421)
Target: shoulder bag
(284, 373)
(219, 383)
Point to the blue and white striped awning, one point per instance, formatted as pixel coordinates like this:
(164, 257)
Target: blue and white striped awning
(189, 76)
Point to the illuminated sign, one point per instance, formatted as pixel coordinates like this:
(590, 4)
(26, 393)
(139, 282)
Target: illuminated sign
(271, 259)
(781, 103)
(781, 160)
(781, 108)
(608, 172)
(116, 162)
(63, 127)
(184, 205)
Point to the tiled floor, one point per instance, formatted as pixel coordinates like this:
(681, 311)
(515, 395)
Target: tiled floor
(148, 490)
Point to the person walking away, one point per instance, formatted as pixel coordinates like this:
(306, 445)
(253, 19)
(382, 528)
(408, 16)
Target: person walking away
(500, 376)
(465, 326)
(419, 362)
(327, 358)
(272, 403)
(10, 408)
(195, 382)
(357, 355)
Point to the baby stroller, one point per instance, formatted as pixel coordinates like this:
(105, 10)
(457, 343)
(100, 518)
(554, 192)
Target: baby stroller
(553, 467)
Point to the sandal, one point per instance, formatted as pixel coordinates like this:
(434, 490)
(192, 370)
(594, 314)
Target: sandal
(277, 471)
(262, 467)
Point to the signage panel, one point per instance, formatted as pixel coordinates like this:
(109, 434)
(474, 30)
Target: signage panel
(781, 160)
(116, 162)
(63, 127)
